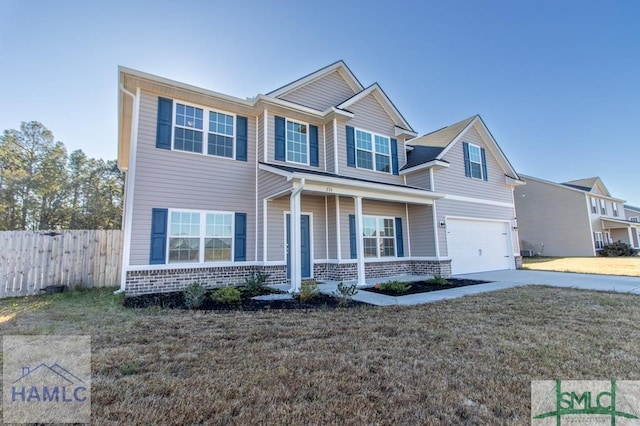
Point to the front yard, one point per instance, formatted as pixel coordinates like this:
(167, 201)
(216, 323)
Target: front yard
(463, 361)
(587, 265)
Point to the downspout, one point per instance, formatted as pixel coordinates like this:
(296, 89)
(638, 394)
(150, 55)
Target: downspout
(128, 196)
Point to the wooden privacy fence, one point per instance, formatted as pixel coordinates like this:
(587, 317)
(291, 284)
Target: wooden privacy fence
(32, 260)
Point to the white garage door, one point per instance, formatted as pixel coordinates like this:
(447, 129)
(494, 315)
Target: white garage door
(478, 245)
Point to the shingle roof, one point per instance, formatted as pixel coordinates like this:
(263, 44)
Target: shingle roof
(584, 184)
(442, 137)
(421, 155)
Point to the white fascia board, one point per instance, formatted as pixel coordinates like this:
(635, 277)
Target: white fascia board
(367, 193)
(400, 131)
(457, 138)
(266, 167)
(513, 182)
(428, 165)
(268, 100)
(387, 105)
(351, 80)
(183, 86)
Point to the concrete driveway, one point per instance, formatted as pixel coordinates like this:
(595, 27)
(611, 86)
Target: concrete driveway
(560, 279)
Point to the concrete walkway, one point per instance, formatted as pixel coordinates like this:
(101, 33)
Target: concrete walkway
(498, 280)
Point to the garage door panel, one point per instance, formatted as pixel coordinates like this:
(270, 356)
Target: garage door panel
(477, 245)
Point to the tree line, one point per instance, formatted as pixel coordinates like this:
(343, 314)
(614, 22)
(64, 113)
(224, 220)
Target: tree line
(44, 188)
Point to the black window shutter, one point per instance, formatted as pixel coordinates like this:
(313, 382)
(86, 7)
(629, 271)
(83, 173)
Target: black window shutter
(241, 138)
(394, 156)
(280, 140)
(158, 248)
(351, 147)
(484, 164)
(313, 145)
(165, 117)
(467, 162)
(352, 236)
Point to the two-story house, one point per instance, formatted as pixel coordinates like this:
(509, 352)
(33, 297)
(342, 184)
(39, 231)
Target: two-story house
(322, 178)
(575, 218)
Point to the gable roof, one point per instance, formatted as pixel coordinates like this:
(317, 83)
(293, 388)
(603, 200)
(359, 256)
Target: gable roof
(588, 185)
(630, 207)
(572, 187)
(340, 66)
(447, 137)
(384, 101)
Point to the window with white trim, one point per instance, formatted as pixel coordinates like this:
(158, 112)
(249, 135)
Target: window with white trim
(616, 212)
(379, 236)
(190, 128)
(373, 152)
(297, 142)
(594, 206)
(200, 237)
(475, 159)
(634, 219)
(603, 207)
(598, 240)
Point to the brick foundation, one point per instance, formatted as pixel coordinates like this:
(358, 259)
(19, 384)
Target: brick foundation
(349, 271)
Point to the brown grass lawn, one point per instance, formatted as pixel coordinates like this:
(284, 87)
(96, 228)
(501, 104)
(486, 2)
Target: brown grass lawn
(464, 361)
(586, 265)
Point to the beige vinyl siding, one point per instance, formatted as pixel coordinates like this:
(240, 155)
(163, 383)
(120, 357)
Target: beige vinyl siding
(629, 213)
(452, 180)
(269, 184)
(371, 117)
(181, 180)
(323, 93)
(419, 179)
(421, 228)
(464, 209)
(331, 225)
(555, 216)
(369, 208)
(330, 147)
(276, 229)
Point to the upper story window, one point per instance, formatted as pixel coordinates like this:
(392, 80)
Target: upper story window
(373, 152)
(594, 206)
(634, 219)
(200, 236)
(201, 130)
(603, 207)
(379, 236)
(616, 213)
(297, 146)
(475, 161)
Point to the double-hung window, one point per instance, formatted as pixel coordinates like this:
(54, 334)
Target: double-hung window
(379, 236)
(297, 142)
(190, 128)
(200, 236)
(373, 152)
(475, 159)
(603, 207)
(616, 213)
(598, 240)
(594, 207)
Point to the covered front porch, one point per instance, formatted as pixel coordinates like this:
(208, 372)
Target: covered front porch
(341, 229)
(622, 230)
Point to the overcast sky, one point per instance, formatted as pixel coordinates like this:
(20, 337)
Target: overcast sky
(557, 82)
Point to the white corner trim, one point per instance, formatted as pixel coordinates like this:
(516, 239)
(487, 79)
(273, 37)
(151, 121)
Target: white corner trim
(478, 201)
(265, 136)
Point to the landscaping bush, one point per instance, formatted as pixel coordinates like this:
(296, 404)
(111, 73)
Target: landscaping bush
(308, 290)
(254, 282)
(618, 249)
(227, 295)
(194, 295)
(396, 287)
(438, 280)
(345, 292)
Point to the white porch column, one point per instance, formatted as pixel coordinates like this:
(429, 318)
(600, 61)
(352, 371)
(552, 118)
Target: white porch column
(631, 243)
(295, 258)
(359, 242)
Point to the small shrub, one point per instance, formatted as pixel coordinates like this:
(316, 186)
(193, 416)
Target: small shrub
(438, 280)
(345, 292)
(194, 295)
(227, 295)
(255, 281)
(308, 290)
(396, 287)
(618, 249)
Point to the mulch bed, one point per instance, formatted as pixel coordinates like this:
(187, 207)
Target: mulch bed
(424, 287)
(175, 300)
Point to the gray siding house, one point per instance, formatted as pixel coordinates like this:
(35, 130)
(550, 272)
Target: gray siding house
(322, 178)
(575, 218)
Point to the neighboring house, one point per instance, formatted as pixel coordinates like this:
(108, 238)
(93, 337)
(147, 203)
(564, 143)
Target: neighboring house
(575, 218)
(215, 182)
